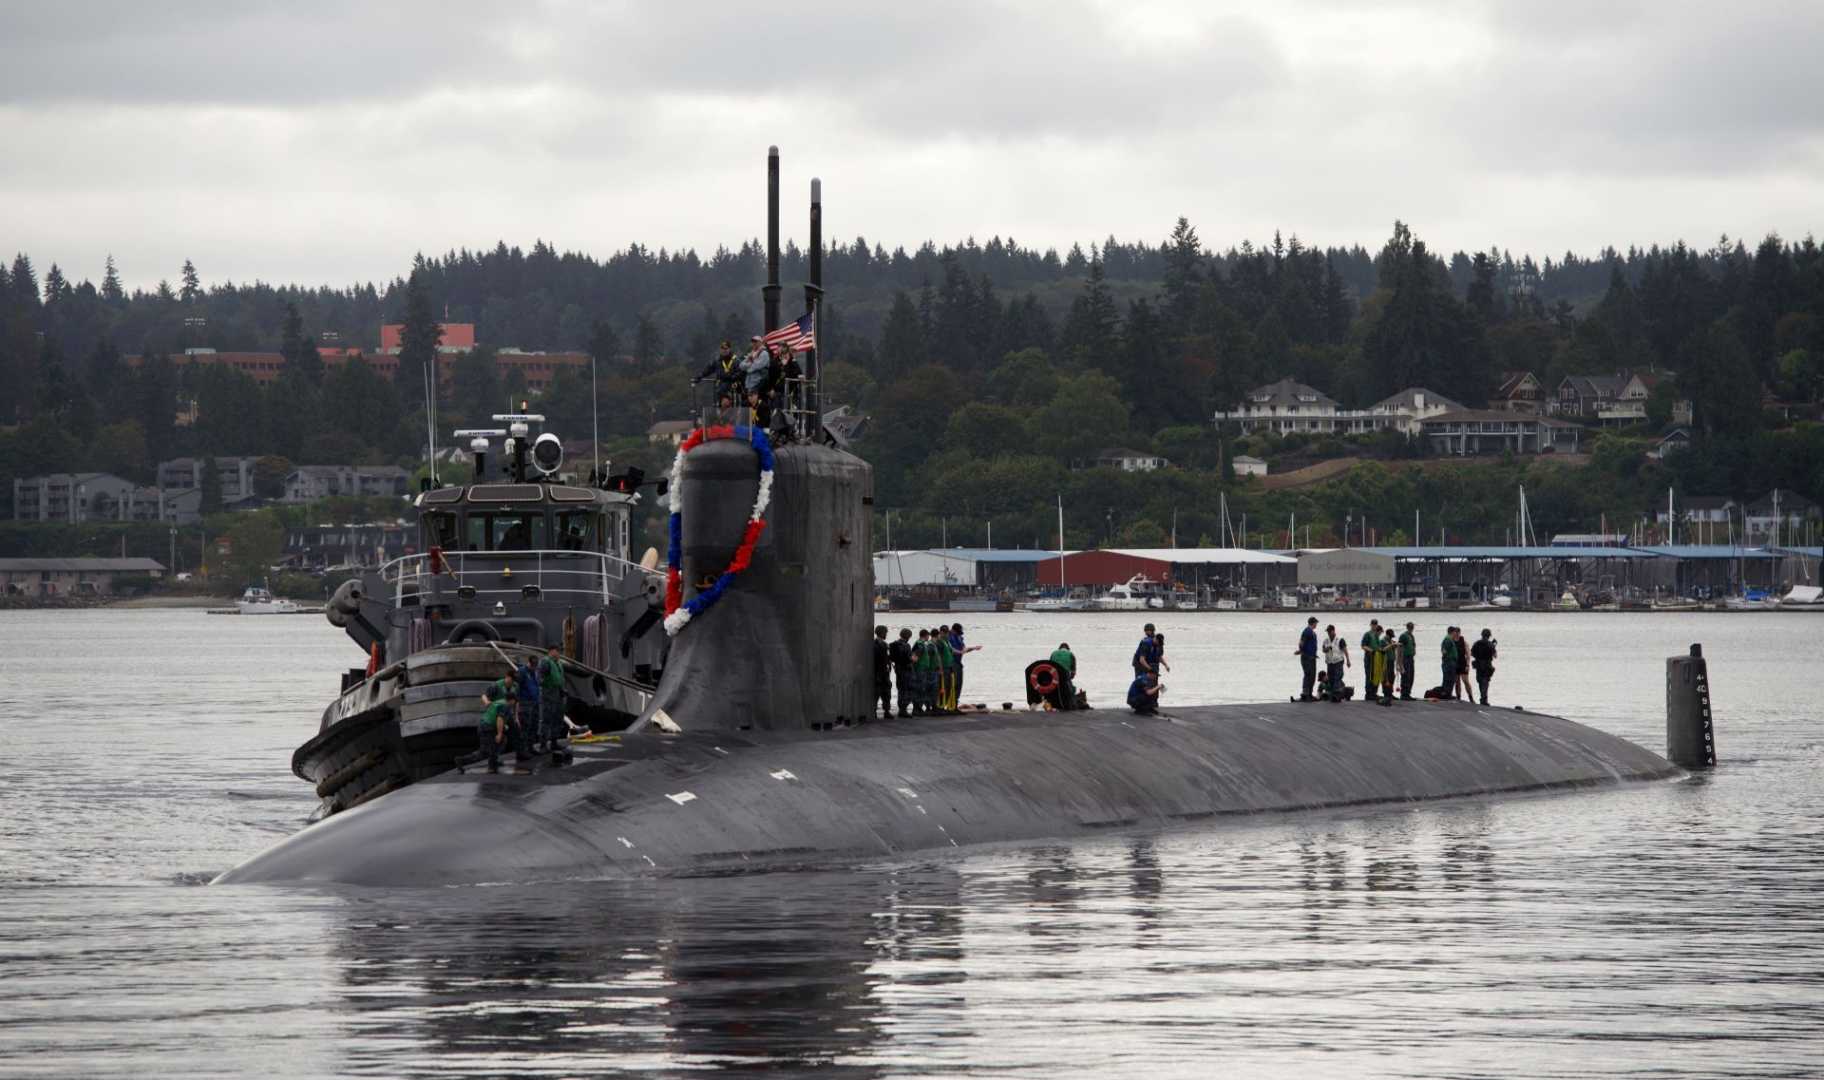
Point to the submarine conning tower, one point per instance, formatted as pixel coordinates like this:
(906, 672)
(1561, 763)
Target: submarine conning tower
(787, 644)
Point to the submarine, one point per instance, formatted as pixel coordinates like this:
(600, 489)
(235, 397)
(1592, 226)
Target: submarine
(754, 746)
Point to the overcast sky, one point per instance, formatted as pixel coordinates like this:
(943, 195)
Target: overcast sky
(326, 142)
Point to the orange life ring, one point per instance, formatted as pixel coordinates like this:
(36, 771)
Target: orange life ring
(1044, 678)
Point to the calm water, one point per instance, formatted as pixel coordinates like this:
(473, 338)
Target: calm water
(1661, 930)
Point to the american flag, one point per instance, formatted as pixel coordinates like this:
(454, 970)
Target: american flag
(796, 336)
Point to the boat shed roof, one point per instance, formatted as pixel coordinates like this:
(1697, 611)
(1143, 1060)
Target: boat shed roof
(1221, 556)
(81, 566)
(1487, 552)
(1709, 551)
(1000, 555)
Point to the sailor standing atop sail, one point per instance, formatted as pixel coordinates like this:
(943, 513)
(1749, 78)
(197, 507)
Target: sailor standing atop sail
(725, 369)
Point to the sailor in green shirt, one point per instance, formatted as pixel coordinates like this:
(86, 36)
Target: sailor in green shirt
(491, 733)
(946, 678)
(1372, 659)
(1447, 659)
(925, 662)
(1409, 649)
(551, 703)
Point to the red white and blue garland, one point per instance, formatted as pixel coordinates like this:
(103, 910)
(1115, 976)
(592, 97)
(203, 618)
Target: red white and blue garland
(678, 613)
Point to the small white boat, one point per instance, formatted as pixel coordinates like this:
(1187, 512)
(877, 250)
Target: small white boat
(1128, 596)
(1077, 600)
(1567, 602)
(1676, 603)
(1803, 598)
(1753, 601)
(258, 600)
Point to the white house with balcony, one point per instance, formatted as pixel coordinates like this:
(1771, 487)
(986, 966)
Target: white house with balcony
(1284, 407)
(1404, 412)
(1288, 406)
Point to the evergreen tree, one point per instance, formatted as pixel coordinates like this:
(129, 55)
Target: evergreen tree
(1092, 329)
(1183, 275)
(1422, 337)
(24, 283)
(211, 483)
(110, 284)
(291, 336)
(1480, 294)
(155, 396)
(648, 346)
(902, 338)
(56, 289)
(475, 387)
(419, 335)
(193, 285)
(1338, 312)
(605, 345)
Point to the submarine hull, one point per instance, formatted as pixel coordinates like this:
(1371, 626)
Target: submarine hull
(715, 801)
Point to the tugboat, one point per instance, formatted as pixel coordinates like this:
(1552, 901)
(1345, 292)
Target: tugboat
(520, 559)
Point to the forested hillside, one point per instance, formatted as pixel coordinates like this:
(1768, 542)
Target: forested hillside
(988, 368)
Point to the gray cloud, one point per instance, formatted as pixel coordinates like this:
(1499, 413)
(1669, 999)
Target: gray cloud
(328, 142)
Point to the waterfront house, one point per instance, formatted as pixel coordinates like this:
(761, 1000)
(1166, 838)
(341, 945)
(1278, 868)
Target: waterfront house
(74, 498)
(1403, 412)
(71, 577)
(1469, 432)
(1779, 517)
(1671, 442)
(1588, 395)
(1285, 406)
(669, 431)
(1518, 391)
(1129, 460)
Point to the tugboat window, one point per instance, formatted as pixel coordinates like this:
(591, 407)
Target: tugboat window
(444, 531)
(506, 532)
(579, 530)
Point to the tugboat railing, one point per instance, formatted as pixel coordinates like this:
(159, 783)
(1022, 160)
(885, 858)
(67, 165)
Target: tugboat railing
(503, 575)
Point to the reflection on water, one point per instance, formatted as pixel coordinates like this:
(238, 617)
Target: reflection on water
(1666, 930)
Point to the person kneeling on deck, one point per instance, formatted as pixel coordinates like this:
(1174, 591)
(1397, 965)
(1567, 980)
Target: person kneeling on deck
(491, 733)
(551, 704)
(1143, 695)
